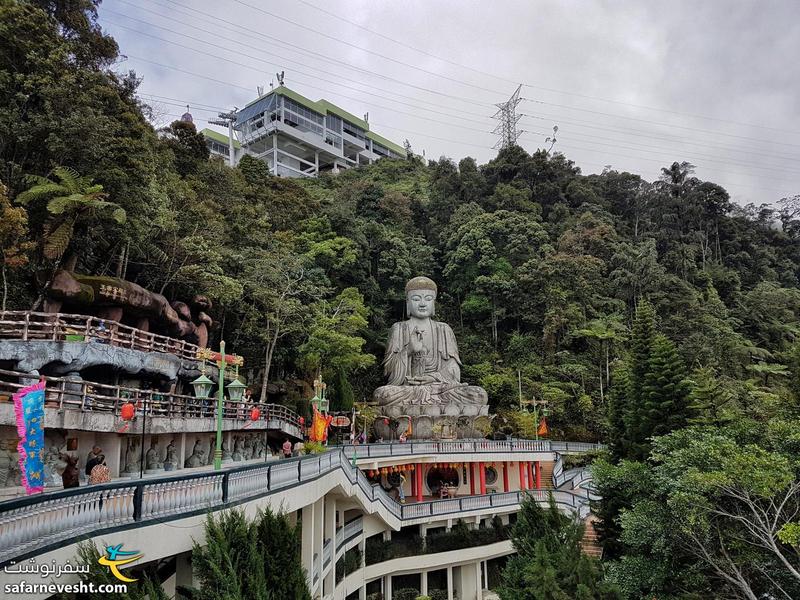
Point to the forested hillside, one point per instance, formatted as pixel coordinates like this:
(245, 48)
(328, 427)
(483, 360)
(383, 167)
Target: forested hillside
(658, 317)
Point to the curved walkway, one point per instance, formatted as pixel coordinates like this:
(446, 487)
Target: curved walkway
(37, 524)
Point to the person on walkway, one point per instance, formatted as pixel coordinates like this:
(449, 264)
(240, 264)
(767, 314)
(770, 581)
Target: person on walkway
(287, 449)
(69, 478)
(299, 447)
(100, 472)
(92, 459)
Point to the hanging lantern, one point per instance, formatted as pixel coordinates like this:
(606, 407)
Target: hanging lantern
(255, 414)
(411, 467)
(128, 411)
(371, 473)
(302, 421)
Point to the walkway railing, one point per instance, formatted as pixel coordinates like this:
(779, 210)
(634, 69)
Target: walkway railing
(465, 447)
(88, 396)
(28, 325)
(35, 524)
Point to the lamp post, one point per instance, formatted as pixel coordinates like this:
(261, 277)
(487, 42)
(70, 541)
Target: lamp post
(319, 400)
(536, 403)
(203, 385)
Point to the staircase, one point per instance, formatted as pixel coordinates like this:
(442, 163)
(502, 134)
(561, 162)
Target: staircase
(589, 544)
(547, 474)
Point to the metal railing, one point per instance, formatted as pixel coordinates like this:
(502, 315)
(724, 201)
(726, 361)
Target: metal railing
(88, 396)
(28, 325)
(37, 523)
(465, 447)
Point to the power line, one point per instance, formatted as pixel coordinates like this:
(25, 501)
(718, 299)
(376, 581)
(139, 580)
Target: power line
(596, 112)
(345, 42)
(312, 76)
(447, 114)
(293, 47)
(639, 133)
(532, 86)
(417, 116)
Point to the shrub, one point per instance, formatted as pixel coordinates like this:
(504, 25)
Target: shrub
(314, 448)
(405, 594)
(438, 594)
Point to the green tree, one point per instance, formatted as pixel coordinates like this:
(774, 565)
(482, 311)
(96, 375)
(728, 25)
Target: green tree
(14, 242)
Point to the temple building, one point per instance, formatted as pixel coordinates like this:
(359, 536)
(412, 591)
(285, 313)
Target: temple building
(298, 137)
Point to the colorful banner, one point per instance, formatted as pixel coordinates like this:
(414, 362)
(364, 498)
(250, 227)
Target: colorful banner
(319, 426)
(29, 410)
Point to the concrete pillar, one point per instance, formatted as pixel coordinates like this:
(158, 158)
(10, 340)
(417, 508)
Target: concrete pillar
(180, 446)
(423, 583)
(505, 476)
(330, 534)
(538, 475)
(362, 593)
(522, 485)
(316, 162)
(307, 542)
(485, 564)
(469, 581)
(449, 583)
(387, 535)
(275, 153)
(183, 571)
(387, 588)
(471, 479)
(482, 476)
(319, 516)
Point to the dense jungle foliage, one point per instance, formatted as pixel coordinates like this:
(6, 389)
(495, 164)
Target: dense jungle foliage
(659, 317)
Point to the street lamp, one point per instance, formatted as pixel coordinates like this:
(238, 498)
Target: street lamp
(203, 386)
(319, 401)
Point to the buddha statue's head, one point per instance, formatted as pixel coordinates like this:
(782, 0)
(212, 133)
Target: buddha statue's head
(421, 297)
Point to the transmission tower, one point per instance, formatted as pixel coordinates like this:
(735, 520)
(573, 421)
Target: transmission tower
(227, 120)
(508, 117)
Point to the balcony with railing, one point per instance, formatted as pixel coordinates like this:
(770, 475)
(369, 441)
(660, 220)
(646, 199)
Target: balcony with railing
(90, 398)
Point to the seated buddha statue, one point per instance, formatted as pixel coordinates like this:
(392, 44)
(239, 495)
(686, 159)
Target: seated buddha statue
(422, 363)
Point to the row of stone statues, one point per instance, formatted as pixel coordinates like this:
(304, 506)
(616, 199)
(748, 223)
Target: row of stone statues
(245, 447)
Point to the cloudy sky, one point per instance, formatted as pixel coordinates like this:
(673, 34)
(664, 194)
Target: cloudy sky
(632, 85)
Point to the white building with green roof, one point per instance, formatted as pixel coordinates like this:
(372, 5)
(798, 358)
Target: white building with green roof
(298, 137)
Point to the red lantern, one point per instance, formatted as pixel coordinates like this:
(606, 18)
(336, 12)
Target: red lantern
(128, 411)
(411, 467)
(302, 421)
(371, 473)
(386, 422)
(255, 414)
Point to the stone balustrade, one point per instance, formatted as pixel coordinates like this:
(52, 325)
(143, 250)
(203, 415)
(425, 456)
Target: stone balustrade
(34, 524)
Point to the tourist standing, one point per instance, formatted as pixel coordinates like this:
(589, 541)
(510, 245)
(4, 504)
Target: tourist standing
(287, 449)
(93, 459)
(100, 472)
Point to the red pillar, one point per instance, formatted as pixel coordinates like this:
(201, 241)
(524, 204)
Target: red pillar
(538, 475)
(531, 480)
(482, 475)
(418, 474)
(522, 485)
(471, 479)
(505, 476)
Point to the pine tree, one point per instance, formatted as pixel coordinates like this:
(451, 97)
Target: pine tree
(636, 417)
(664, 390)
(707, 399)
(618, 441)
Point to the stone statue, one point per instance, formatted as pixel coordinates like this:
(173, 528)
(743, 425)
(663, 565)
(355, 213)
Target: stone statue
(238, 449)
(132, 457)
(171, 461)
(424, 369)
(54, 465)
(226, 450)
(197, 458)
(152, 459)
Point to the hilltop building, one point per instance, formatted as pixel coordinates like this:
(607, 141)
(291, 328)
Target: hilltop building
(298, 137)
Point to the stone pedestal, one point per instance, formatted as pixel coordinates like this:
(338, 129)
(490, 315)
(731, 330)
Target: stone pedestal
(437, 422)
